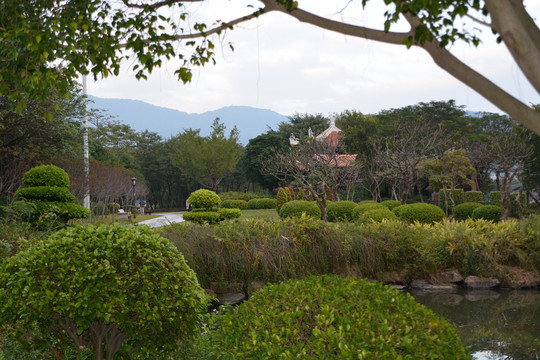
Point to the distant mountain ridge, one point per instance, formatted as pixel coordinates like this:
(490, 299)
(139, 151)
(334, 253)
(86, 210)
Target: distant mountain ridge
(141, 116)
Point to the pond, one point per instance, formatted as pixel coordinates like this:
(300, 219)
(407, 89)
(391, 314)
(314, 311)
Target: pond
(494, 325)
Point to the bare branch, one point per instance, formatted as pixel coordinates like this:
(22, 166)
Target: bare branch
(478, 20)
(158, 4)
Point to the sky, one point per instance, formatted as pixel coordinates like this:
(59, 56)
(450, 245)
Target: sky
(289, 67)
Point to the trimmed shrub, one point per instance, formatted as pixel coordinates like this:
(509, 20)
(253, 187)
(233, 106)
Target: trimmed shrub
(234, 204)
(487, 212)
(391, 204)
(298, 207)
(264, 203)
(45, 193)
(367, 202)
(230, 213)
(474, 196)
(124, 281)
(204, 199)
(203, 217)
(53, 203)
(330, 317)
(301, 195)
(445, 201)
(421, 212)
(495, 198)
(465, 210)
(283, 196)
(378, 215)
(397, 210)
(365, 206)
(46, 175)
(340, 210)
(237, 195)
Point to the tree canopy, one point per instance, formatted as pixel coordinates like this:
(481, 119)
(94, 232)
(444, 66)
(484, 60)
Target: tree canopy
(46, 44)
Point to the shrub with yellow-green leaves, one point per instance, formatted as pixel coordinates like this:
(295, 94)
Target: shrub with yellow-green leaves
(331, 317)
(109, 289)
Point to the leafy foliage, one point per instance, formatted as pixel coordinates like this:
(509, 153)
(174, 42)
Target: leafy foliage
(340, 210)
(299, 208)
(203, 217)
(487, 212)
(262, 203)
(420, 212)
(234, 204)
(46, 193)
(474, 196)
(233, 213)
(107, 287)
(204, 198)
(391, 204)
(320, 318)
(364, 206)
(377, 215)
(283, 196)
(46, 175)
(464, 211)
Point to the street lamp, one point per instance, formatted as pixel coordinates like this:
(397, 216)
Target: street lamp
(134, 181)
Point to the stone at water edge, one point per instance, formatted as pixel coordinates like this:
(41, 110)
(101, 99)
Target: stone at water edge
(475, 282)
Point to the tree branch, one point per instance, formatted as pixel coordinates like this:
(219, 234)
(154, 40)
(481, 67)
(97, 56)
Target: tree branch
(157, 5)
(478, 20)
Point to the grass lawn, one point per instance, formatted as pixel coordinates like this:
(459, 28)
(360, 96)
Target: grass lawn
(267, 214)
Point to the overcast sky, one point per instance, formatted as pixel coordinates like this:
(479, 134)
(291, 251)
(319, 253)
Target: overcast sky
(286, 66)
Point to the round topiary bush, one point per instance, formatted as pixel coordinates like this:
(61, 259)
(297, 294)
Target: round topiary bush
(378, 215)
(204, 199)
(298, 207)
(263, 203)
(421, 212)
(340, 210)
(391, 204)
(203, 217)
(47, 188)
(108, 288)
(234, 204)
(397, 210)
(465, 210)
(46, 175)
(331, 317)
(487, 212)
(365, 206)
(229, 213)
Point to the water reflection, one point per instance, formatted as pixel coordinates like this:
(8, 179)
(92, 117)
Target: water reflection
(494, 325)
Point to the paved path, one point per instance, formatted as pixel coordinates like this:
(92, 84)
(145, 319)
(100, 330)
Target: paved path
(163, 219)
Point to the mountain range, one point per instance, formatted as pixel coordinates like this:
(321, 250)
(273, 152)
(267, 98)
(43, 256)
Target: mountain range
(141, 116)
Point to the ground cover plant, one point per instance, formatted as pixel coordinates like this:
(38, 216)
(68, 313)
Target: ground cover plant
(331, 317)
(105, 290)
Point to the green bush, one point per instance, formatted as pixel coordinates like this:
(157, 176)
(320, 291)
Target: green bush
(445, 200)
(364, 206)
(283, 196)
(54, 204)
(234, 204)
(487, 212)
(124, 282)
(237, 195)
(45, 193)
(229, 213)
(203, 217)
(465, 210)
(391, 204)
(46, 175)
(378, 215)
(331, 317)
(495, 199)
(397, 210)
(340, 210)
(263, 203)
(299, 207)
(203, 198)
(421, 212)
(474, 196)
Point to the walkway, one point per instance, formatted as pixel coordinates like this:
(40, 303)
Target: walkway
(163, 219)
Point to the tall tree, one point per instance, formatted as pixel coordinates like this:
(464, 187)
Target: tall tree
(96, 36)
(206, 159)
(257, 151)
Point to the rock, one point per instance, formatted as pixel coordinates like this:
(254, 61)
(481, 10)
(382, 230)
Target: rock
(449, 276)
(475, 282)
(231, 298)
(424, 285)
(226, 287)
(398, 287)
(516, 278)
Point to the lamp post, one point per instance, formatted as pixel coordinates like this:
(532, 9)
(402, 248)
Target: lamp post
(133, 181)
